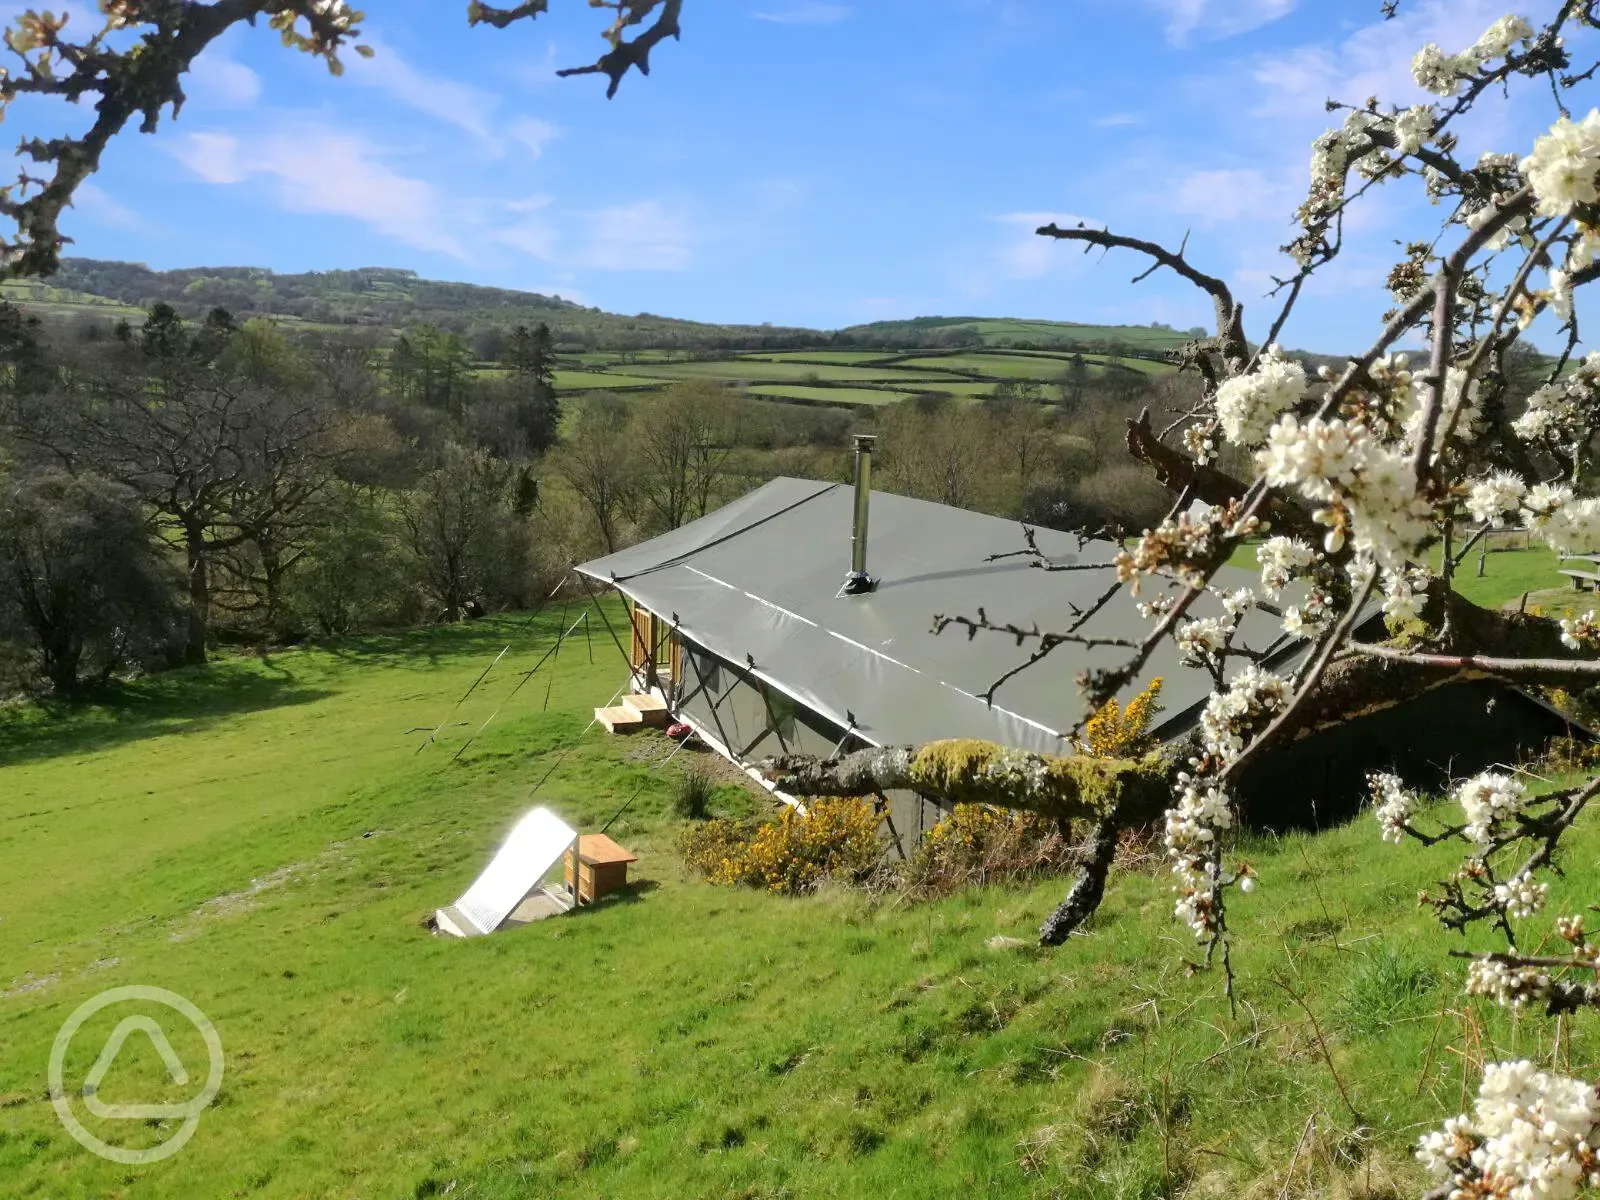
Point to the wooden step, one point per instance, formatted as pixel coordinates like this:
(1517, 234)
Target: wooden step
(649, 709)
(619, 719)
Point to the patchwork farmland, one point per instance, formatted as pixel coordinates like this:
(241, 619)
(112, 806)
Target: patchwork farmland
(851, 378)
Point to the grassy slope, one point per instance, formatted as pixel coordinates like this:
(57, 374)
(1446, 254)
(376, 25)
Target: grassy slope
(685, 1041)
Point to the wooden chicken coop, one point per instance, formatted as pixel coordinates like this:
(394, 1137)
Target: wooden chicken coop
(602, 867)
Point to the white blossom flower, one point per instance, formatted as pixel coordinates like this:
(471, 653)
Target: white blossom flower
(1281, 558)
(1530, 1137)
(1315, 456)
(1438, 72)
(1500, 37)
(1563, 163)
(1520, 895)
(1202, 639)
(1248, 404)
(1395, 805)
(1413, 127)
(1487, 799)
(1578, 632)
(1238, 602)
(1561, 293)
(1585, 248)
(1496, 495)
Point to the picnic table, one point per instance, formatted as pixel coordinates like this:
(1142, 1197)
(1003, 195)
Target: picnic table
(1583, 571)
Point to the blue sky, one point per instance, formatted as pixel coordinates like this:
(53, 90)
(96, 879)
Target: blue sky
(795, 161)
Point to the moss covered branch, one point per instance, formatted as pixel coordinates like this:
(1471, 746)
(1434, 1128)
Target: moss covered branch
(966, 771)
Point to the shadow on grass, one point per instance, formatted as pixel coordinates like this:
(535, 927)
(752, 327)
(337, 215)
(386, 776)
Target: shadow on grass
(484, 637)
(181, 701)
(628, 893)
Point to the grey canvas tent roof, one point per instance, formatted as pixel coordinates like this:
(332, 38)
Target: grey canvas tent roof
(759, 580)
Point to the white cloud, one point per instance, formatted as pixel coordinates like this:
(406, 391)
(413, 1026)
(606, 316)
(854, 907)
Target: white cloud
(1235, 194)
(1213, 20)
(315, 169)
(532, 134)
(532, 233)
(642, 236)
(218, 81)
(100, 208)
(1026, 255)
(470, 109)
(806, 14)
(1117, 120)
(212, 156)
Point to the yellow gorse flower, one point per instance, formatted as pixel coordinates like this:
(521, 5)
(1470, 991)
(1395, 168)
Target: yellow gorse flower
(1122, 731)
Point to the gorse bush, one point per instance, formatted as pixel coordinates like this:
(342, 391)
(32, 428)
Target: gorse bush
(978, 844)
(791, 854)
(1123, 732)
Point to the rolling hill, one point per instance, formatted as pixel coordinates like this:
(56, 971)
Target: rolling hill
(391, 298)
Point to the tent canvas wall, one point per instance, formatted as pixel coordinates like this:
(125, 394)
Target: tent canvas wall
(739, 620)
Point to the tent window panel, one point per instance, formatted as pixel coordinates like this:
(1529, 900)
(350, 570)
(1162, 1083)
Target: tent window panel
(783, 714)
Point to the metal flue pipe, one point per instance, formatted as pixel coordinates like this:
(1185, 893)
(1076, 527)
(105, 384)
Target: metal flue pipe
(858, 581)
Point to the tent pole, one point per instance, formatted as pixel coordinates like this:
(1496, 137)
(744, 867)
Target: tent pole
(626, 657)
(526, 675)
(712, 704)
(461, 701)
(551, 682)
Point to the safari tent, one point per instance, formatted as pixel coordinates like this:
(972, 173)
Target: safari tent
(800, 618)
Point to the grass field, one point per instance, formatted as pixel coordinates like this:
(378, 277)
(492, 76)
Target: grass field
(778, 372)
(588, 381)
(793, 374)
(259, 836)
(1005, 366)
(830, 395)
(844, 357)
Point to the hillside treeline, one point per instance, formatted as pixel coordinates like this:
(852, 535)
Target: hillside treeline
(182, 485)
(389, 298)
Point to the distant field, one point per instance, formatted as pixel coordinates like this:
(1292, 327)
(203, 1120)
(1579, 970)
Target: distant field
(830, 395)
(1003, 365)
(822, 356)
(580, 381)
(783, 371)
(1130, 335)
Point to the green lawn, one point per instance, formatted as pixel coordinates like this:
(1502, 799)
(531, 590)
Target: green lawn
(259, 836)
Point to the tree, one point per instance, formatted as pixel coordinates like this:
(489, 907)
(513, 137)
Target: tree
(462, 533)
(79, 573)
(1023, 430)
(133, 64)
(353, 576)
(682, 442)
(532, 355)
(531, 392)
(934, 450)
(596, 465)
(221, 462)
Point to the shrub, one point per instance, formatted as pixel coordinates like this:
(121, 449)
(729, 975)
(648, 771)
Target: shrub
(691, 798)
(977, 844)
(791, 855)
(1123, 732)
